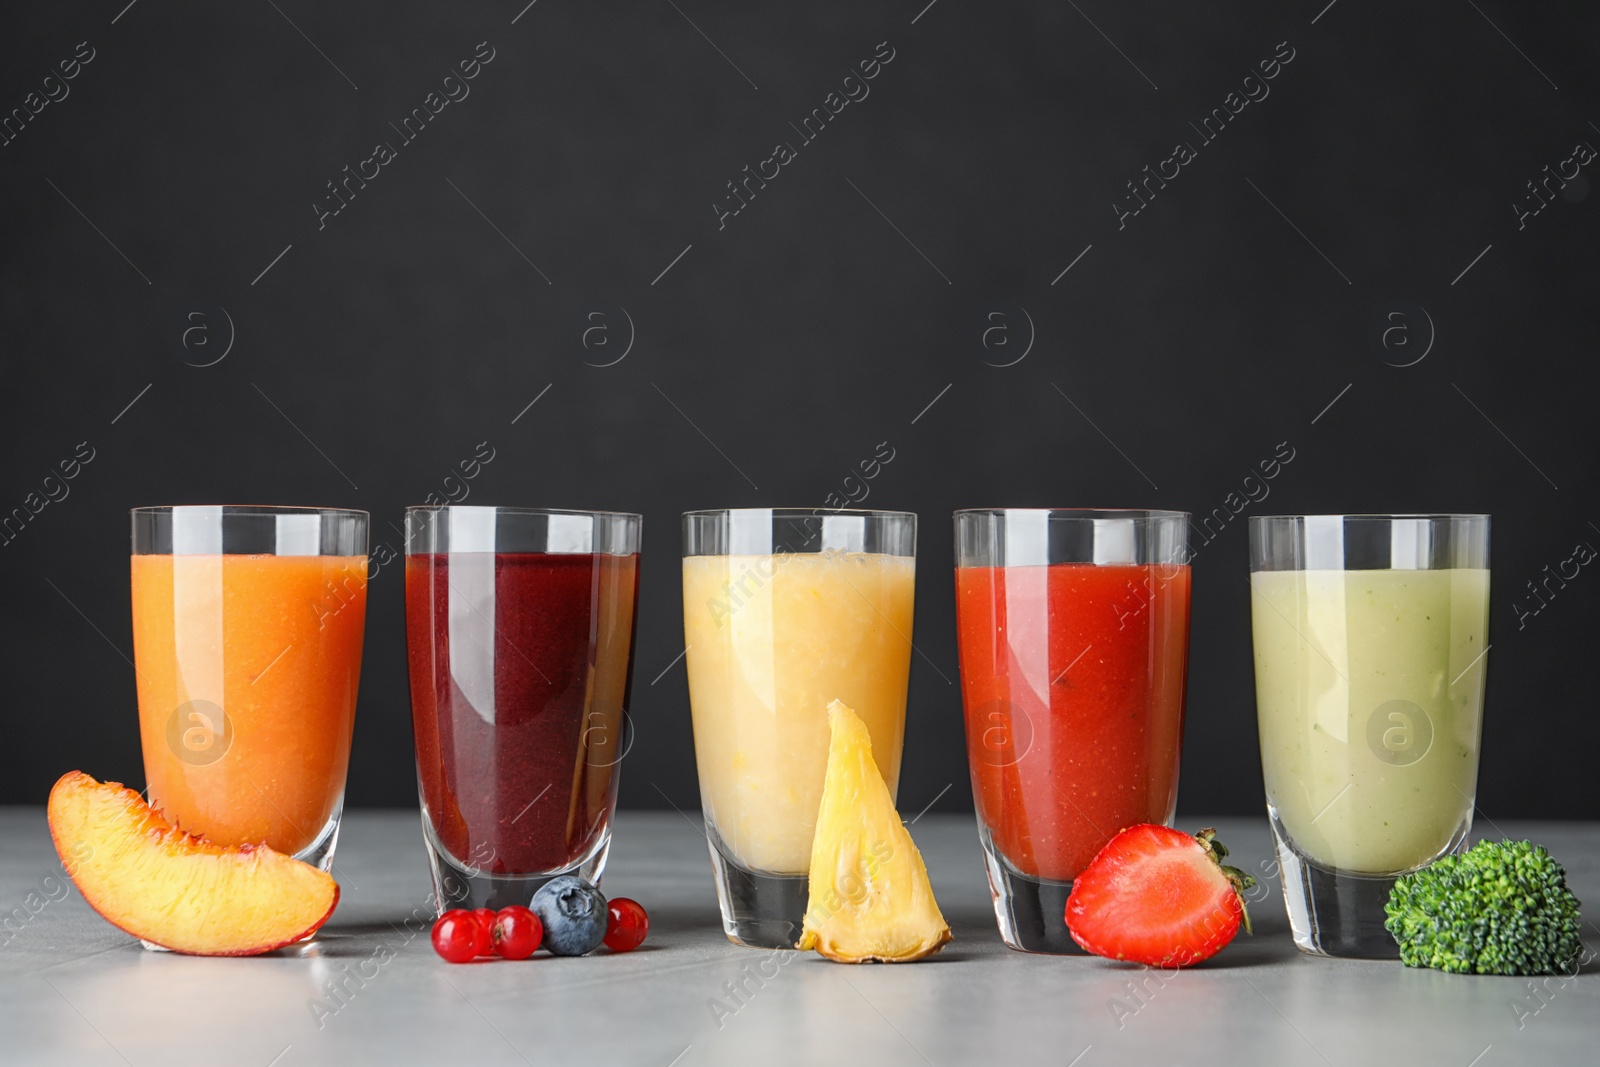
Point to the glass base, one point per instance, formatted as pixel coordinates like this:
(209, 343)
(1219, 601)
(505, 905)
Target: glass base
(457, 885)
(1031, 912)
(1338, 913)
(759, 910)
(319, 854)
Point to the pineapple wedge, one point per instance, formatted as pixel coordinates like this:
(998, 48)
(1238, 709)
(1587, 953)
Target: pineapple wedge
(870, 897)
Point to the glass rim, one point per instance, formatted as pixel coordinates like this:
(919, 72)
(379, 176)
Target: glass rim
(436, 509)
(1431, 516)
(820, 512)
(251, 509)
(1078, 513)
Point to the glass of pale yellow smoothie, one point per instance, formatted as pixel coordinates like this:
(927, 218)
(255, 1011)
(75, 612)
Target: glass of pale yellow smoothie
(1370, 640)
(785, 610)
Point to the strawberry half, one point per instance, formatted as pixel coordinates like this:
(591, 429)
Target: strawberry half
(1156, 895)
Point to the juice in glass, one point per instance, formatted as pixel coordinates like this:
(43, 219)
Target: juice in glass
(520, 626)
(797, 609)
(1384, 639)
(1096, 706)
(247, 669)
(1370, 641)
(1073, 632)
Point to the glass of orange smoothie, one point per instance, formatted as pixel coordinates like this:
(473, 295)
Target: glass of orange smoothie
(785, 610)
(247, 628)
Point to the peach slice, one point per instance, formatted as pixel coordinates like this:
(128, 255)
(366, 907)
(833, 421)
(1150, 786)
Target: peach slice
(150, 879)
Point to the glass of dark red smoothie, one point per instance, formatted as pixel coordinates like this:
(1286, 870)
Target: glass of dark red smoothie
(519, 627)
(1073, 633)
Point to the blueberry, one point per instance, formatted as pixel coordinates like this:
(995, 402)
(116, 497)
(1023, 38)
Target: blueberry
(573, 913)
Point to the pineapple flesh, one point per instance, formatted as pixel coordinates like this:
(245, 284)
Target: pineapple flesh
(870, 899)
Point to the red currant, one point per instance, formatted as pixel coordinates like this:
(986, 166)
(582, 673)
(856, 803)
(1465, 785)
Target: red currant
(516, 933)
(486, 920)
(627, 926)
(458, 936)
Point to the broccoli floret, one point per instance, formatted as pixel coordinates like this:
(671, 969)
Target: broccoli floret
(1499, 908)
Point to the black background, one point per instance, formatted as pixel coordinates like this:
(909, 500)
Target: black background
(851, 293)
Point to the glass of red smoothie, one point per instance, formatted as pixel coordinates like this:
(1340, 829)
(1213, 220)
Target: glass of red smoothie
(1073, 632)
(519, 626)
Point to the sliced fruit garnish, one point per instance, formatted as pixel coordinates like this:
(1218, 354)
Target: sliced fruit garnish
(1156, 895)
(152, 880)
(870, 895)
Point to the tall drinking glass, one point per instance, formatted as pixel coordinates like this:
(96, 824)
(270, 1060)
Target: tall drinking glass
(785, 610)
(247, 630)
(519, 626)
(1370, 635)
(1073, 631)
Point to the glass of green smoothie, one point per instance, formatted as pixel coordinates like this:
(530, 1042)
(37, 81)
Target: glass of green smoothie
(1370, 636)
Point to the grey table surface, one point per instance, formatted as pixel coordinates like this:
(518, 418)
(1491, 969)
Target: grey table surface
(75, 990)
